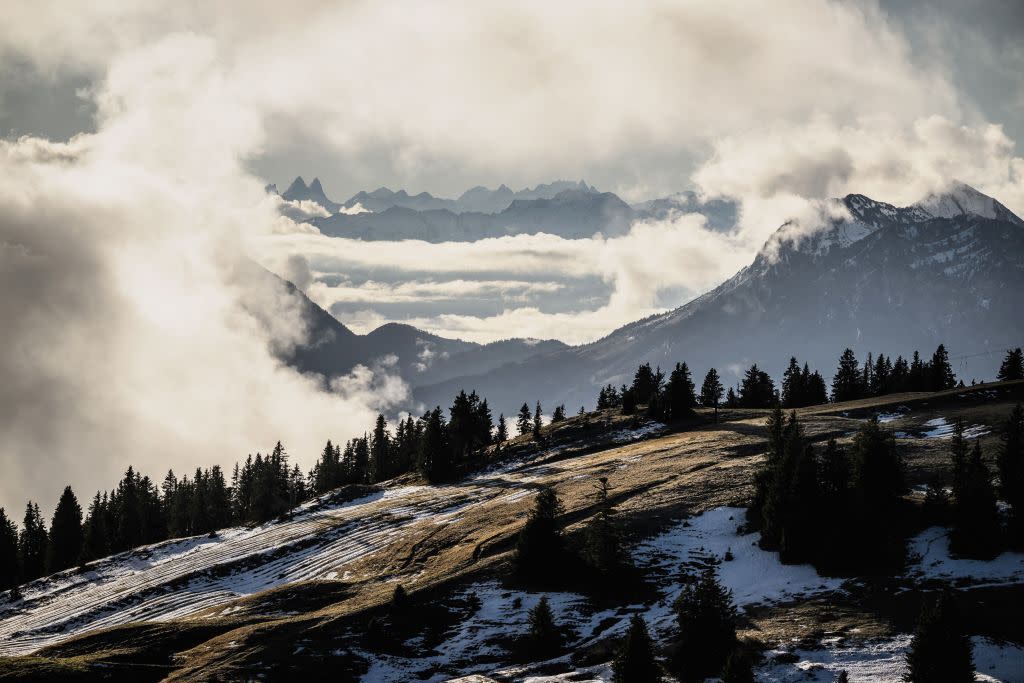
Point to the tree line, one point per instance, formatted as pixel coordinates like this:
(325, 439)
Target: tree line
(675, 397)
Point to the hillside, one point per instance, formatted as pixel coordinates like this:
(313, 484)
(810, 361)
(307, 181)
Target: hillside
(884, 279)
(302, 594)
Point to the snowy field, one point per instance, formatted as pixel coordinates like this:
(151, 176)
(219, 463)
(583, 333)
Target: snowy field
(754, 576)
(940, 428)
(179, 578)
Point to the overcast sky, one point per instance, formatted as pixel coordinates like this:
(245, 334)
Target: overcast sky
(137, 137)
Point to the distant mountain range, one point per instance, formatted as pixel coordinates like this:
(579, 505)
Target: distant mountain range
(571, 210)
(949, 269)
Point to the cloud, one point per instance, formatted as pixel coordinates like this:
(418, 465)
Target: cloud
(136, 330)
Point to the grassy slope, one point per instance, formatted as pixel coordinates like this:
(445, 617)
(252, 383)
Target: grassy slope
(687, 472)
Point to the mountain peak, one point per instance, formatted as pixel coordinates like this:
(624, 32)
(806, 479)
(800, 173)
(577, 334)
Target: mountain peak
(298, 185)
(959, 199)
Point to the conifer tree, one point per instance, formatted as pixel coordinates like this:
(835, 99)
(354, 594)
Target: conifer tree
(775, 426)
(635, 661)
(646, 383)
(940, 650)
(544, 639)
(559, 413)
(536, 421)
(628, 401)
(501, 436)
(96, 535)
(757, 390)
(731, 399)
(540, 541)
(380, 451)
(1012, 366)
(918, 377)
(32, 544)
(9, 568)
(942, 375)
(524, 423)
(975, 530)
(707, 628)
(878, 487)
(1010, 462)
(434, 458)
(65, 538)
(680, 397)
(846, 385)
(738, 668)
(603, 549)
(711, 391)
(792, 388)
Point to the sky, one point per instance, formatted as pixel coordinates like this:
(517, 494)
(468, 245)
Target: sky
(138, 137)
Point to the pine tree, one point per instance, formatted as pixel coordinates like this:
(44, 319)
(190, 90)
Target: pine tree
(942, 375)
(878, 487)
(707, 628)
(544, 639)
(646, 383)
(65, 539)
(1012, 366)
(757, 390)
(32, 544)
(380, 451)
(524, 423)
(846, 385)
(975, 530)
(731, 399)
(635, 661)
(559, 413)
(603, 550)
(738, 668)
(536, 421)
(940, 650)
(502, 434)
(792, 387)
(9, 566)
(792, 505)
(1010, 462)
(96, 534)
(435, 461)
(711, 391)
(540, 541)
(680, 397)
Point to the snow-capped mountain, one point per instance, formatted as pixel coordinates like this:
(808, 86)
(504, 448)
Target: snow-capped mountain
(875, 278)
(477, 199)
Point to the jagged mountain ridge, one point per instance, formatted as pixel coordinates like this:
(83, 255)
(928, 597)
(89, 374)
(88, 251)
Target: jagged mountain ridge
(882, 278)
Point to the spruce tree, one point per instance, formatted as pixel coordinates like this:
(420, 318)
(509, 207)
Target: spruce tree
(96, 535)
(757, 390)
(635, 661)
(559, 413)
(1011, 473)
(1012, 366)
(711, 391)
(941, 373)
(731, 399)
(9, 567)
(738, 668)
(539, 544)
(501, 435)
(536, 421)
(434, 458)
(544, 639)
(32, 544)
(524, 423)
(975, 530)
(707, 628)
(380, 467)
(65, 538)
(878, 487)
(940, 650)
(846, 385)
(646, 383)
(603, 549)
(680, 397)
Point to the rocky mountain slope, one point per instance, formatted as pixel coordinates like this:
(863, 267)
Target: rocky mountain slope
(883, 278)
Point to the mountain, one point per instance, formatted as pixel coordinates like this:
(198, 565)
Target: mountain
(883, 278)
(478, 199)
(572, 214)
(298, 191)
(721, 214)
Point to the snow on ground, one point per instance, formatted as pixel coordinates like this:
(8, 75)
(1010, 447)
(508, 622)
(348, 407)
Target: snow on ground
(898, 414)
(630, 435)
(936, 562)
(941, 428)
(884, 661)
(182, 577)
